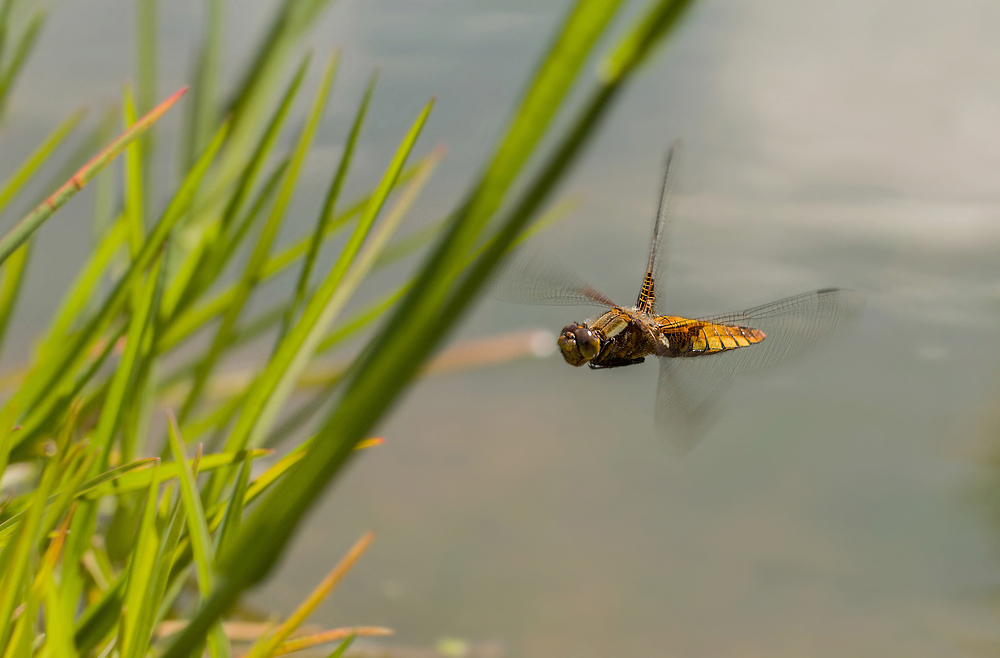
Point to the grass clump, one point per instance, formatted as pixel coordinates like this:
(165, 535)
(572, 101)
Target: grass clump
(108, 549)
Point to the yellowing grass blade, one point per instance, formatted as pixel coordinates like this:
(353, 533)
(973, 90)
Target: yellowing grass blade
(267, 646)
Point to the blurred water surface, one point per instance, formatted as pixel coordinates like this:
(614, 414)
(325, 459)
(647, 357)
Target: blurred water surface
(529, 506)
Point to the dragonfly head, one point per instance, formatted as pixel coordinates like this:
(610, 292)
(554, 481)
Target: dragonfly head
(579, 343)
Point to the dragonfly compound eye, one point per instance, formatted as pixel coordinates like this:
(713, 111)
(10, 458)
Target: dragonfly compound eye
(588, 342)
(568, 346)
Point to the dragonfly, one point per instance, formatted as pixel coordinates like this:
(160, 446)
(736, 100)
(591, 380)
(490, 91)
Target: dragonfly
(701, 360)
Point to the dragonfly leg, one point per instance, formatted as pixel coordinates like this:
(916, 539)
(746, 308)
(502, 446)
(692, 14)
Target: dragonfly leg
(616, 363)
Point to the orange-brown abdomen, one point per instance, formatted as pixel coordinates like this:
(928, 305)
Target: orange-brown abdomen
(695, 338)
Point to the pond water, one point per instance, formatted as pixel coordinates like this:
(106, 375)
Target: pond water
(528, 508)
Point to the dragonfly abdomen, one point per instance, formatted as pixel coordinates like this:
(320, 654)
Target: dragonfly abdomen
(696, 338)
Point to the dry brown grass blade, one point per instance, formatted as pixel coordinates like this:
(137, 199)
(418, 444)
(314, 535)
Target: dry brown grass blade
(269, 646)
(333, 635)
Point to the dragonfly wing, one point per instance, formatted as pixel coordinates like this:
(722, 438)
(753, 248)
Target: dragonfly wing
(692, 390)
(531, 277)
(800, 326)
(689, 398)
(655, 266)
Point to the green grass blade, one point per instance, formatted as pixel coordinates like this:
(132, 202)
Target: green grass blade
(133, 179)
(630, 54)
(145, 54)
(30, 223)
(71, 581)
(22, 637)
(233, 515)
(294, 421)
(62, 502)
(44, 414)
(78, 463)
(329, 301)
(129, 477)
(412, 243)
(184, 325)
(158, 600)
(394, 251)
(99, 619)
(373, 311)
(137, 406)
(190, 322)
(58, 625)
(293, 19)
(273, 474)
(10, 289)
(264, 481)
(140, 571)
(269, 391)
(339, 651)
(360, 320)
(19, 179)
(326, 214)
(201, 540)
(66, 360)
(113, 474)
(205, 99)
(15, 573)
(83, 287)
(292, 22)
(292, 253)
(21, 51)
(251, 274)
(16, 265)
(552, 82)
(399, 249)
(645, 35)
(7, 417)
(264, 196)
(198, 272)
(138, 410)
(215, 419)
(105, 192)
(121, 383)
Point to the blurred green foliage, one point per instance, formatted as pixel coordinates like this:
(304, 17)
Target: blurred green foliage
(99, 538)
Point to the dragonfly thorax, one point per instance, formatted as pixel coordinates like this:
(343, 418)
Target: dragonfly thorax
(618, 337)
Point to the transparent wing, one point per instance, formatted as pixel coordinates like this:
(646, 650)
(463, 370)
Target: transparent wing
(655, 266)
(532, 277)
(692, 391)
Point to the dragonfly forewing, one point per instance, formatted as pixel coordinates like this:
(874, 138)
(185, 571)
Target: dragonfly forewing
(647, 301)
(526, 277)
